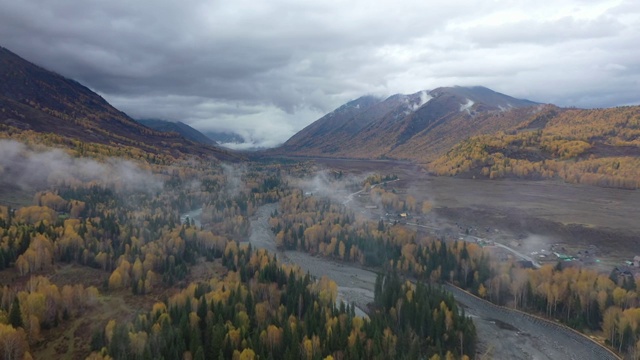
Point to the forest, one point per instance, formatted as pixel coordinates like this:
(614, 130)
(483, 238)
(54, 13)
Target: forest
(202, 292)
(583, 299)
(188, 291)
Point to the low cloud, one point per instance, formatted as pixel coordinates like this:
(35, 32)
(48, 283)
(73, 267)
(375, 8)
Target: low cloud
(31, 169)
(324, 184)
(234, 183)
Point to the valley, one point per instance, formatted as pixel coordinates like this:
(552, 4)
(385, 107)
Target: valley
(545, 212)
(452, 223)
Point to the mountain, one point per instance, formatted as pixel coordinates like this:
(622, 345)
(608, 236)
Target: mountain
(178, 127)
(587, 146)
(342, 124)
(417, 127)
(475, 132)
(35, 99)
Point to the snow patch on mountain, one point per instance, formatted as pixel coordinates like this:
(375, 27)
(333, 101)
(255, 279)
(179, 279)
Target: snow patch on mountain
(424, 98)
(467, 106)
(507, 108)
(412, 106)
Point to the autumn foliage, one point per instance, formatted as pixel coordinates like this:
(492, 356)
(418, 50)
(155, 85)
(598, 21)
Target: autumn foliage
(594, 147)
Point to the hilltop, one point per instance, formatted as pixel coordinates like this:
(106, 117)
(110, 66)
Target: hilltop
(597, 147)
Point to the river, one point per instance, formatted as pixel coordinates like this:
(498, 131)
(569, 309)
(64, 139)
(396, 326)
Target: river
(355, 285)
(502, 333)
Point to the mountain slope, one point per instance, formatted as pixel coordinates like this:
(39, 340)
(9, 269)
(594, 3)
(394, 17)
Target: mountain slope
(343, 122)
(33, 98)
(178, 127)
(417, 127)
(597, 147)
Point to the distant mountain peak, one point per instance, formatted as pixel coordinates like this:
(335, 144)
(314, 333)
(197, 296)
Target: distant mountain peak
(223, 137)
(371, 127)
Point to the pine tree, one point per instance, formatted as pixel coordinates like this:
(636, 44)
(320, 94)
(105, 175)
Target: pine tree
(199, 354)
(377, 292)
(15, 316)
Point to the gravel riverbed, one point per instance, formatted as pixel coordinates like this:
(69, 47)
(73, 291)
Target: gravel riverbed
(502, 333)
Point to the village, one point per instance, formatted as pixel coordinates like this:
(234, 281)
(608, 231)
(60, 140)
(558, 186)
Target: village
(526, 251)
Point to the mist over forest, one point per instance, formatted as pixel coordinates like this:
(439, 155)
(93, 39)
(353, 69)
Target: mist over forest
(313, 181)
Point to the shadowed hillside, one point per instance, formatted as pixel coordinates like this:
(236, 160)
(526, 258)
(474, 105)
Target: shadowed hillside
(35, 99)
(179, 128)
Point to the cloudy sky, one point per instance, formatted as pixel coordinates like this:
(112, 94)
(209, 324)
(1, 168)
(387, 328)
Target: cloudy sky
(267, 68)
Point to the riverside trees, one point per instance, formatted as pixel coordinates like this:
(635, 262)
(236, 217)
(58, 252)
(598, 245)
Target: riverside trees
(262, 309)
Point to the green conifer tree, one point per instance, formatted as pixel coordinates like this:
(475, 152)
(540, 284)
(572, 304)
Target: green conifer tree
(15, 316)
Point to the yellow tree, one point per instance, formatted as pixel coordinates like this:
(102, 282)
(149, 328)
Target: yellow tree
(247, 354)
(115, 280)
(13, 343)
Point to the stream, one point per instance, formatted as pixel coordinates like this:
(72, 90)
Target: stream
(355, 285)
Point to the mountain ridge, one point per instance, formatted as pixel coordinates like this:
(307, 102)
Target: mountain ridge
(370, 127)
(178, 127)
(478, 133)
(33, 98)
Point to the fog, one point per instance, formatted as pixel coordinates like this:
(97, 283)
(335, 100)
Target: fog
(324, 184)
(28, 168)
(234, 183)
(537, 242)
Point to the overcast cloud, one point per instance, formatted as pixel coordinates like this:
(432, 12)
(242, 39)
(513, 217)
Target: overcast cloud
(266, 69)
